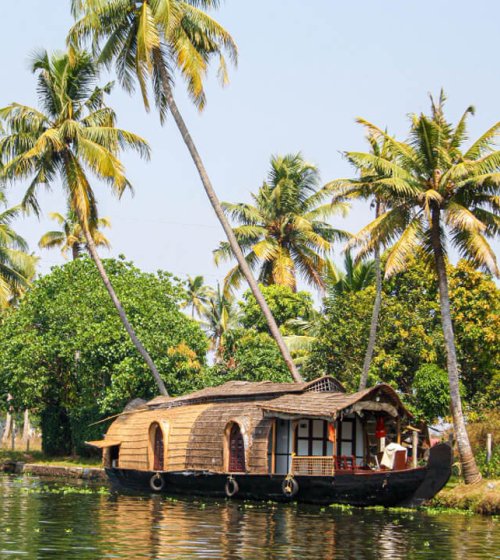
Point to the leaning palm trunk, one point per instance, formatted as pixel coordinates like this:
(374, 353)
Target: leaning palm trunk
(374, 323)
(214, 201)
(128, 327)
(470, 471)
(375, 314)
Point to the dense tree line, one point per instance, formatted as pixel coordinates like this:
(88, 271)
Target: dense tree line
(66, 356)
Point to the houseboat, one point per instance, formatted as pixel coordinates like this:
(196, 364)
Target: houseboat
(310, 442)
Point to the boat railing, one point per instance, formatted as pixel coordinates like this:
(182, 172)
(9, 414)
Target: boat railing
(313, 465)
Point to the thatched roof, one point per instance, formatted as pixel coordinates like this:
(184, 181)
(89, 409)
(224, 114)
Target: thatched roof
(329, 405)
(247, 390)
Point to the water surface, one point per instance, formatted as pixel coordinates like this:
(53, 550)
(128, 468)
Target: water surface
(54, 520)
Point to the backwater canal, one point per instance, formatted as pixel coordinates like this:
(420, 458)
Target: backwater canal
(42, 519)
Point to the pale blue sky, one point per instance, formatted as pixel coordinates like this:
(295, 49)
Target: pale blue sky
(306, 70)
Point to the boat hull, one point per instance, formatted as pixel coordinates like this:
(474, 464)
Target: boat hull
(409, 487)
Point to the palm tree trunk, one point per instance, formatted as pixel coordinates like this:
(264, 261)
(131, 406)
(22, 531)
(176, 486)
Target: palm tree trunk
(469, 468)
(375, 313)
(233, 242)
(128, 327)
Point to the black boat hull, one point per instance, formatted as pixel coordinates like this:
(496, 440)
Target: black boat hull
(409, 487)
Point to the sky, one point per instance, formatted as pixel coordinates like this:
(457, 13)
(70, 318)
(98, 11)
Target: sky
(306, 70)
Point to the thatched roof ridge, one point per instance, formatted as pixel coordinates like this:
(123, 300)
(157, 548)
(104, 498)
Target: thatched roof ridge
(329, 405)
(241, 390)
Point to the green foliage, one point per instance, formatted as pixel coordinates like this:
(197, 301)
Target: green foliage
(476, 320)
(491, 469)
(354, 277)
(285, 305)
(409, 334)
(490, 399)
(56, 430)
(17, 267)
(284, 233)
(429, 192)
(250, 356)
(431, 392)
(343, 332)
(65, 346)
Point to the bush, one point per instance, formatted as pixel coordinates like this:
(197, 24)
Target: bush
(491, 469)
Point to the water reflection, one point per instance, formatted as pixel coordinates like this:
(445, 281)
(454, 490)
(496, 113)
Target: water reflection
(35, 524)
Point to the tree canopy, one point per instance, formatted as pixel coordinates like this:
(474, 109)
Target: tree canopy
(410, 334)
(284, 233)
(65, 347)
(285, 305)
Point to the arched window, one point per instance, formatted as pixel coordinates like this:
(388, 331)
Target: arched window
(157, 447)
(236, 447)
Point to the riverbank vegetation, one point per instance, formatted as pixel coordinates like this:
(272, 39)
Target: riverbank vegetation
(483, 498)
(79, 343)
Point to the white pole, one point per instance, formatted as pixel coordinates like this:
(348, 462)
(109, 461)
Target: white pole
(489, 446)
(414, 445)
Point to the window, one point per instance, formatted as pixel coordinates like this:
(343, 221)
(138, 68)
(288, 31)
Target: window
(312, 438)
(346, 437)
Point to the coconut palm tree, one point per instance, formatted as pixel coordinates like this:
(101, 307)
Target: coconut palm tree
(197, 295)
(71, 237)
(284, 233)
(17, 267)
(354, 278)
(150, 40)
(219, 315)
(72, 136)
(368, 186)
(440, 194)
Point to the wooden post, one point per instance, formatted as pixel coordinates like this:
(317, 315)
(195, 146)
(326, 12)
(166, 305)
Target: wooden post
(414, 445)
(398, 430)
(489, 447)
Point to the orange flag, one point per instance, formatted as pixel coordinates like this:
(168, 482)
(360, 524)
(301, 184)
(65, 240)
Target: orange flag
(332, 433)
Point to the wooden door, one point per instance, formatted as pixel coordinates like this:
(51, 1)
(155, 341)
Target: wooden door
(236, 450)
(158, 450)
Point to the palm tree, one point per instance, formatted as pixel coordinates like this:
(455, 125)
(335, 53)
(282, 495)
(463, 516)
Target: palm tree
(354, 278)
(72, 237)
(219, 316)
(150, 40)
(364, 187)
(301, 334)
(17, 267)
(197, 295)
(284, 233)
(440, 194)
(73, 134)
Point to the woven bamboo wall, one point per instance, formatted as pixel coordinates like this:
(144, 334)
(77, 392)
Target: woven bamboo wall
(194, 436)
(133, 432)
(207, 442)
